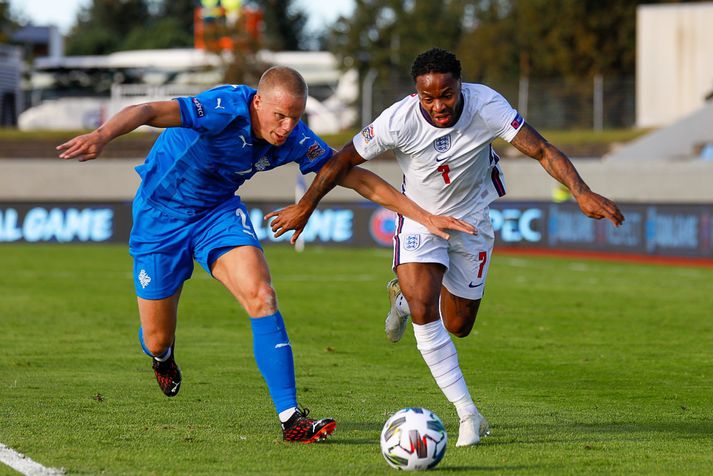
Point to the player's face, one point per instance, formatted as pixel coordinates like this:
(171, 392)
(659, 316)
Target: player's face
(439, 94)
(277, 115)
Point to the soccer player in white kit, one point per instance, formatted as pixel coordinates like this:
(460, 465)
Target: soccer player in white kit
(441, 137)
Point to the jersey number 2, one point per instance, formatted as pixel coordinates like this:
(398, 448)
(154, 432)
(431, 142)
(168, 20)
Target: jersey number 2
(444, 169)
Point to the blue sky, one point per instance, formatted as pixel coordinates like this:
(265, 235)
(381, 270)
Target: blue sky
(63, 12)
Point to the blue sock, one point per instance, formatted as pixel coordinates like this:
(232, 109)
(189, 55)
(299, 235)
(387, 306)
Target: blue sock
(164, 355)
(273, 354)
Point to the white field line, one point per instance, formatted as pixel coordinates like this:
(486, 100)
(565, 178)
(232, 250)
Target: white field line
(24, 465)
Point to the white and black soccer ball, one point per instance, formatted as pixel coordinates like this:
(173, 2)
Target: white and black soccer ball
(413, 439)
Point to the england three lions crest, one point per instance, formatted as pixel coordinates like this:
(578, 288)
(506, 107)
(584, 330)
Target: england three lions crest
(442, 144)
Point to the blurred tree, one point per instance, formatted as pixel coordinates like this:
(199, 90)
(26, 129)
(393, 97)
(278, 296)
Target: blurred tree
(181, 11)
(7, 21)
(386, 35)
(103, 25)
(166, 32)
(284, 25)
(574, 40)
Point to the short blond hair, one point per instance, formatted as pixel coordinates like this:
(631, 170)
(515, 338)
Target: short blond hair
(284, 78)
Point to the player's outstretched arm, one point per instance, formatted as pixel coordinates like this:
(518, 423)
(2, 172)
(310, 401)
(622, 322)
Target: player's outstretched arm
(374, 188)
(557, 164)
(295, 216)
(89, 146)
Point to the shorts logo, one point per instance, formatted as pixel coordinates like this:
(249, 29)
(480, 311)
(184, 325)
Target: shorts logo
(199, 107)
(412, 242)
(144, 278)
(442, 144)
(314, 151)
(368, 133)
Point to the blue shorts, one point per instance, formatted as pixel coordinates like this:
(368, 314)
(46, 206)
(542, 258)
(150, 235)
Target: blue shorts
(164, 247)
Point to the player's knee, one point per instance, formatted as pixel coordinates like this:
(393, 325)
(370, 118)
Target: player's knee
(262, 301)
(421, 308)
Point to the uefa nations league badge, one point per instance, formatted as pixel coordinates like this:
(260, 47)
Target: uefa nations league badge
(442, 144)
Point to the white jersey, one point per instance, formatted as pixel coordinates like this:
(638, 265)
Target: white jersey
(447, 170)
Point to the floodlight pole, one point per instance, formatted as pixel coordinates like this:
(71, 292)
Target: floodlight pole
(366, 96)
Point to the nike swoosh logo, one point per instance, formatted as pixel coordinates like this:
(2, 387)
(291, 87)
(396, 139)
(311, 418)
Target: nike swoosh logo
(471, 285)
(441, 160)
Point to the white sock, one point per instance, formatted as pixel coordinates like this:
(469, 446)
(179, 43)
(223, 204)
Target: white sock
(286, 414)
(437, 349)
(402, 305)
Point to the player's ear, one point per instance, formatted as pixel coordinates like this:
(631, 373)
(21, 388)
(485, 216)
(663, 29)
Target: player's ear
(257, 100)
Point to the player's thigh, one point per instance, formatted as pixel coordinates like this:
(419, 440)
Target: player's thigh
(160, 247)
(228, 248)
(420, 259)
(420, 284)
(469, 261)
(243, 270)
(220, 231)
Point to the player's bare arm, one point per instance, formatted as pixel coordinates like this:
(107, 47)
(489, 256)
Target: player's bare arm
(295, 216)
(89, 146)
(557, 164)
(343, 171)
(374, 188)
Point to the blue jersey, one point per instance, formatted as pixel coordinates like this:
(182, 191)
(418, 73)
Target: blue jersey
(194, 168)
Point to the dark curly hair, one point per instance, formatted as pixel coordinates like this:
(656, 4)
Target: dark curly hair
(435, 60)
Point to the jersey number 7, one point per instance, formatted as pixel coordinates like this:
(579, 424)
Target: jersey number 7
(444, 169)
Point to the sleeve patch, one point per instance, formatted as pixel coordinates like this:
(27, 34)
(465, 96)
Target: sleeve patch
(368, 133)
(199, 107)
(516, 122)
(314, 151)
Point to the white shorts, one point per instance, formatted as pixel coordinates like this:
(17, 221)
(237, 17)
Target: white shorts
(466, 257)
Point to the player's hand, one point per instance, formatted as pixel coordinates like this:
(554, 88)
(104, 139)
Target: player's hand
(289, 218)
(595, 206)
(437, 224)
(83, 148)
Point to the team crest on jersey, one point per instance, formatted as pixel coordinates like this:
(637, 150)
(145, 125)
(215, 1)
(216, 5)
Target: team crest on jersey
(412, 242)
(368, 133)
(442, 144)
(262, 164)
(314, 151)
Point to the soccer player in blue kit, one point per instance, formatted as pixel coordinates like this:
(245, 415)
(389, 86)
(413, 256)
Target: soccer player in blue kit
(186, 209)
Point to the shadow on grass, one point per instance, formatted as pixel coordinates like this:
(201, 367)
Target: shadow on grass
(360, 426)
(680, 428)
(489, 469)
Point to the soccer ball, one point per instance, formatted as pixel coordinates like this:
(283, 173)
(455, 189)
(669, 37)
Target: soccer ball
(413, 439)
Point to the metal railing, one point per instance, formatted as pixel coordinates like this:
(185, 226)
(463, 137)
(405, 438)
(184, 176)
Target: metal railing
(547, 103)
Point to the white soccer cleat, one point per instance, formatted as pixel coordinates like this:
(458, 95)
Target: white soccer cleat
(471, 429)
(395, 320)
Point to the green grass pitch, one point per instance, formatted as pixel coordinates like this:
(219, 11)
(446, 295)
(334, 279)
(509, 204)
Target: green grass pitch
(582, 367)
